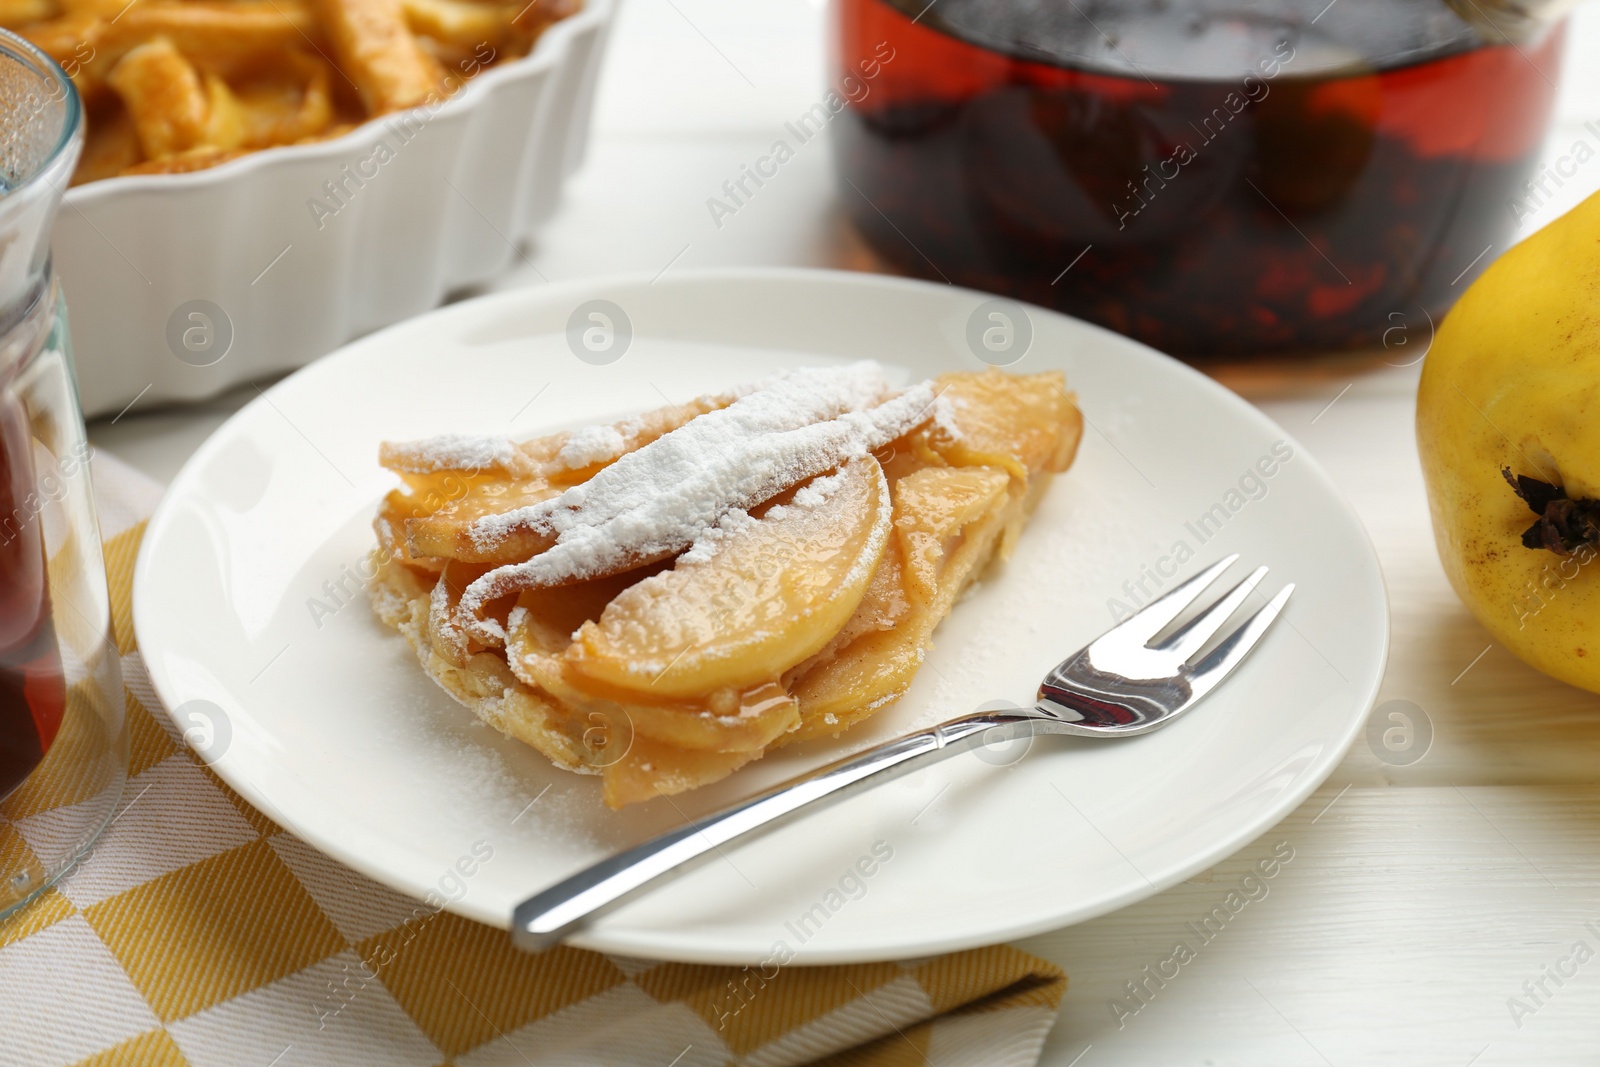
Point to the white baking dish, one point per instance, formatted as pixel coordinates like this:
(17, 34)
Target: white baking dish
(181, 285)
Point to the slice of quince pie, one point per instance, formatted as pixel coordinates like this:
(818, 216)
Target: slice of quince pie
(663, 599)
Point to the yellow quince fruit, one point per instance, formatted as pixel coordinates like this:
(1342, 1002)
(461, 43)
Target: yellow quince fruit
(1508, 427)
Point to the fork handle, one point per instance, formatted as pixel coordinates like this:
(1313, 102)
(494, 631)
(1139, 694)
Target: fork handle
(548, 917)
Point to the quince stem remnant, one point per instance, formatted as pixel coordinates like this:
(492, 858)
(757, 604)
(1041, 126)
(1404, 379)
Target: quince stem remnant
(1564, 524)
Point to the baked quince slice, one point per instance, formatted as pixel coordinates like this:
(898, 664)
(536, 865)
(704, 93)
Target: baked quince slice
(947, 525)
(753, 597)
(641, 749)
(540, 630)
(1023, 424)
(447, 532)
(450, 642)
(421, 494)
(936, 512)
(727, 721)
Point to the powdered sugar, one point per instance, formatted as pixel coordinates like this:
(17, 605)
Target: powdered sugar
(659, 500)
(592, 444)
(946, 412)
(738, 520)
(705, 546)
(701, 449)
(388, 603)
(581, 448)
(818, 490)
(454, 452)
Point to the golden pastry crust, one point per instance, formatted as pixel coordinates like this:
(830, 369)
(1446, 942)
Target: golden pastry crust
(484, 682)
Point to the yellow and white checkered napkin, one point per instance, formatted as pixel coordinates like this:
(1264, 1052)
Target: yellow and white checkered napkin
(198, 932)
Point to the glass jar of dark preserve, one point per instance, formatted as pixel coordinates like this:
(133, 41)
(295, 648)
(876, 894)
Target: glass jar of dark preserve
(1212, 177)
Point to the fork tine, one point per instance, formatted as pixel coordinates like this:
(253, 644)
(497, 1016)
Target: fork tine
(1189, 640)
(1156, 615)
(1233, 650)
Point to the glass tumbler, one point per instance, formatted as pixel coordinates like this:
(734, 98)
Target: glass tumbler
(63, 745)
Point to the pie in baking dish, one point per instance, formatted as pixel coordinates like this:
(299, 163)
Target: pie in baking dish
(663, 599)
(172, 86)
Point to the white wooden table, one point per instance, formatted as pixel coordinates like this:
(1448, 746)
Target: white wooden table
(1421, 899)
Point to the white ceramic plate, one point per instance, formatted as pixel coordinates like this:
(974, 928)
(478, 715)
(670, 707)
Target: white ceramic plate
(244, 598)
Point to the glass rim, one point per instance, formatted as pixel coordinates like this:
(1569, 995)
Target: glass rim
(22, 50)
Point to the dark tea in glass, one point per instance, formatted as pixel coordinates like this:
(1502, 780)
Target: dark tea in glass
(63, 732)
(33, 690)
(1212, 178)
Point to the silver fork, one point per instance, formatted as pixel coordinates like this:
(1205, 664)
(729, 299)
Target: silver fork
(1119, 685)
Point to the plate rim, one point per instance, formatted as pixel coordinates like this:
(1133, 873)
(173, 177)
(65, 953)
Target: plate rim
(672, 945)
